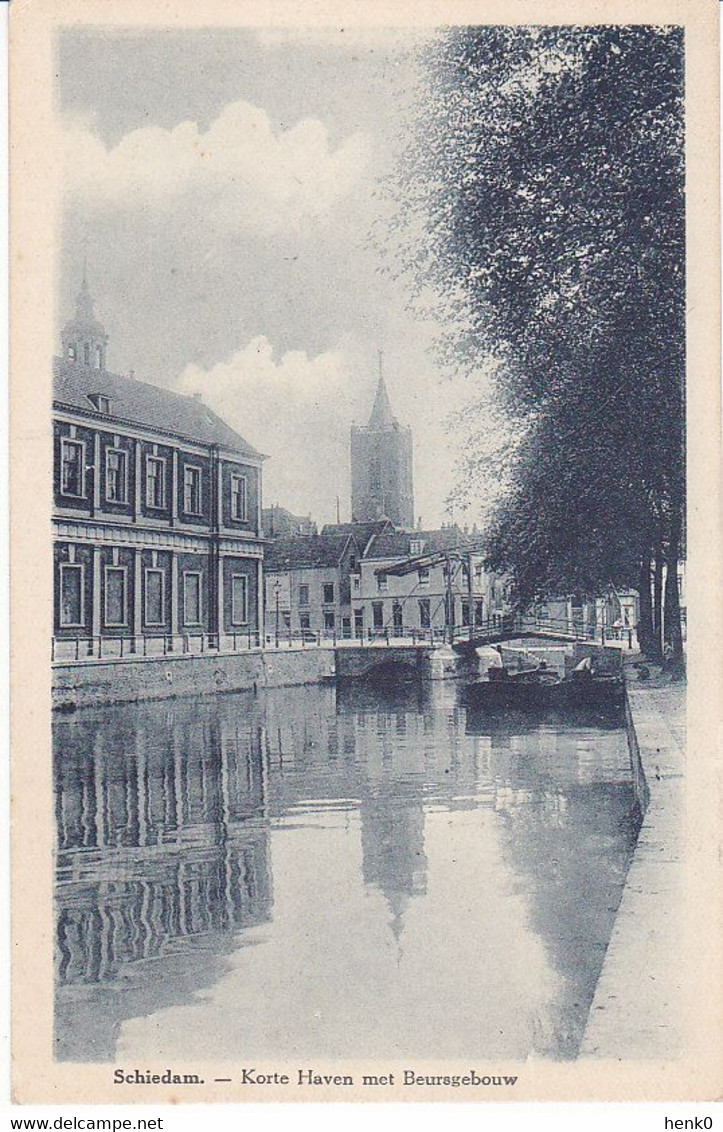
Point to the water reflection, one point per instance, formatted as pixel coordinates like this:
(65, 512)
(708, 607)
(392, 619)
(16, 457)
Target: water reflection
(348, 870)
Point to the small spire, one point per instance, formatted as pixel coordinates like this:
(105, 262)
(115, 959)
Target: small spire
(382, 416)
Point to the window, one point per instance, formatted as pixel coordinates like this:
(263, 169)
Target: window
(116, 476)
(423, 575)
(155, 481)
(382, 582)
(465, 613)
(357, 582)
(100, 402)
(239, 499)
(378, 614)
(192, 489)
(304, 621)
(416, 547)
(71, 595)
(99, 363)
(328, 593)
(424, 613)
(239, 599)
(397, 615)
(286, 618)
(155, 585)
(329, 621)
(303, 593)
(86, 354)
(359, 622)
(71, 353)
(72, 468)
(191, 598)
(116, 608)
(479, 612)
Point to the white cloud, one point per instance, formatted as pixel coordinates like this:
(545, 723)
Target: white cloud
(250, 173)
(297, 410)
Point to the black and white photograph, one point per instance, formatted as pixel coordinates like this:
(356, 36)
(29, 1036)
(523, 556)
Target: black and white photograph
(367, 561)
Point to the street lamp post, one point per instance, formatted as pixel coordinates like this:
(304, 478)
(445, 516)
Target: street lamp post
(277, 588)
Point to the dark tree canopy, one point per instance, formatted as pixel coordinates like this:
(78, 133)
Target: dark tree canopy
(549, 178)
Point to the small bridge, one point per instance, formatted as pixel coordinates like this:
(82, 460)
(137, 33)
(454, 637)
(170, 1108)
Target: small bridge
(414, 649)
(511, 626)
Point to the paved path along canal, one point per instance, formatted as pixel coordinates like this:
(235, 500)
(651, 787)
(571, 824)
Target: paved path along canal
(334, 872)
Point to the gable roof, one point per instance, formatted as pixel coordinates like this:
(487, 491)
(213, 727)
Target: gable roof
(398, 544)
(360, 532)
(304, 552)
(145, 405)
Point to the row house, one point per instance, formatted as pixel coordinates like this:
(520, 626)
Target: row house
(445, 584)
(308, 585)
(156, 512)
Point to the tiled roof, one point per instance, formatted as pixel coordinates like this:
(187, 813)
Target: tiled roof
(360, 532)
(303, 551)
(149, 406)
(397, 544)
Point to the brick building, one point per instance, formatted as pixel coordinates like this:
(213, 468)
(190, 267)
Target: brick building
(156, 512)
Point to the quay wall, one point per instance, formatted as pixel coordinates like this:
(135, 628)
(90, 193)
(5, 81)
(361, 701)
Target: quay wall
(123, 681)
(637, 1011)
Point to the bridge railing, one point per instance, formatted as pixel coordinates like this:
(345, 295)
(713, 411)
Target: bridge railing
(569, 627)
(504, 625)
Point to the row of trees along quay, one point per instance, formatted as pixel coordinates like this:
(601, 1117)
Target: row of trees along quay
(547, 181)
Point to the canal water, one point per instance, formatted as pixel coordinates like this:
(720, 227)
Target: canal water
(335, 871)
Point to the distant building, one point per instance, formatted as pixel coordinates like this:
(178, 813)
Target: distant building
(616, 611)
(425, 598)
(381, 466)
(156, 512)
(277, 522)
(361, 532)
(308, 584)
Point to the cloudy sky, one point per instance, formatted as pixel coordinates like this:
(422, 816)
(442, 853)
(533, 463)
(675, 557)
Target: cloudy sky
(224, 185)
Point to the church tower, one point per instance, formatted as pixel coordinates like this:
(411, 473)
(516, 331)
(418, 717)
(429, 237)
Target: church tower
(381, 465)
(84, 338)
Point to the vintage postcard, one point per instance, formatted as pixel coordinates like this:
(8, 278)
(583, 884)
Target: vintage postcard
(366, 627)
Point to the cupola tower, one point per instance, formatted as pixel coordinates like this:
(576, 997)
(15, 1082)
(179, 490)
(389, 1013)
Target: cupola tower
(84, 338)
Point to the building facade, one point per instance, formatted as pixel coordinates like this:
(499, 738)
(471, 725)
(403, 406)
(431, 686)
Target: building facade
(381, 466)
(445, 584)
(616, 612)
(308, 585)
(156, 512)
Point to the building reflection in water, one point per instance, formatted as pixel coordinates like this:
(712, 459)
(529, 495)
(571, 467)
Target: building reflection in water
(164, 814)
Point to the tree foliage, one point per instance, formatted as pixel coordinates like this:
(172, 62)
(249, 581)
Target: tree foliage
(549, 178)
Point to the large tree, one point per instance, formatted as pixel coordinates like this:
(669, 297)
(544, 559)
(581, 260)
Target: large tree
(549, 179)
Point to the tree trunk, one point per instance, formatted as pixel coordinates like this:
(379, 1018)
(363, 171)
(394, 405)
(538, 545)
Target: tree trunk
(673, 633)
(656, 644)
(645, 621)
